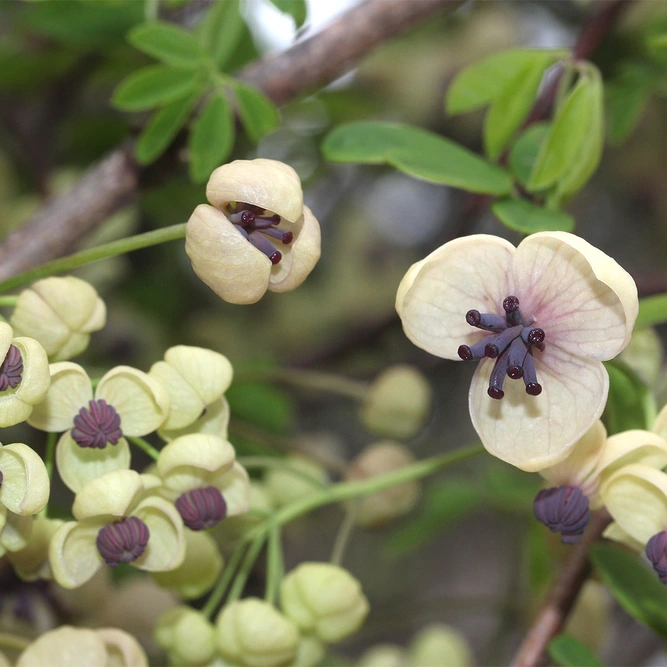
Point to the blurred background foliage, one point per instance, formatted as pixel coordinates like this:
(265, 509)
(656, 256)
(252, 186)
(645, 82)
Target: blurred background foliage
(470, 554)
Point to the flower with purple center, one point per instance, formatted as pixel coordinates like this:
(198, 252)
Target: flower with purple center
(563, 510)
(540, 319)
(126, 402)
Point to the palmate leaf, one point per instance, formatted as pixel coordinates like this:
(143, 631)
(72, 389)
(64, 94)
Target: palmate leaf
(568, 651)
(154, 86)
(630, 404)
(528, 218)
(220, 31)
(258, 114)
(169, 43)
(525, 150)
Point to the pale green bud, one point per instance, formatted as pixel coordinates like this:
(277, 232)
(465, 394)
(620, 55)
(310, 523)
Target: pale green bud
(309, 652)
(440, 645)
(186, 635)
(384, 655)
(285, 486)
(325, 600)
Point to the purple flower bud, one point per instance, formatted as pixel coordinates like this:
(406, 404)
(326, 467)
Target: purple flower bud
(563, 510)
(122, 541)
(656, 552)
(201, 508)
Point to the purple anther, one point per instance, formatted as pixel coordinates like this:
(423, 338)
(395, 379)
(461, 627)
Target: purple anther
(656, 552)
(515, 356)
(476, 351)
(11, 370)
(245, 218)
(510, 304)
(473, 318)
(1, 478)
(122, 541)
(564, 510)
(241, 230)
(262, 243)
(284, 237)
(535, 337)
(201, 508)
(533, 387)
(497, 378)
(256, 223)
(500, 342)
(97, 425)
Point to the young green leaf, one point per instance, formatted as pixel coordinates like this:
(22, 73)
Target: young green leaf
(416, 152)
(169, 43)
(161, 129)
(630, 403)
(635, 587)
(525, 150)
(568, 651)
(652, 311)
(480, 83)
(258, 114)
(220, 31)
(153, 86)
(626, 97)
(211, 138)
(527, 218)
(297, 9)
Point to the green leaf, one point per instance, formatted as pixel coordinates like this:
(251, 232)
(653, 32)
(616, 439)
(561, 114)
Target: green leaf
(511, 106)
(525, 150)
(417, 153)
(480, 83)
(652, 311)
(570, 652)
(169, 43)
(211, 138)
(161, 129)
(527, 218)
(657, 45)
(258, 114)
(153, 86)
(629, 403)
(297, 9)
(220, 31)
(626, 97)
(636, 588)
(262, 405)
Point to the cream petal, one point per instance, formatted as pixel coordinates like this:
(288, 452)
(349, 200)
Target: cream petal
(97, 319)
(65, 647)
(269, 184)
(614, 532)
(224, 259)
(185, 404)
(472, 272)
(635, 446)
(34, 317)
(17, 531)
(13, 410)
(585, 302)
(73, 553)
(636, 497)
(25, 484)
(79, 465)
(123, 650)
(141, 401)
(214, 421)
(36, 376)
(70, 390)
(535, 432)
(73, 346)
(166, 546)
(71, 298)
(299, 257)
(110, 496)
(235, 487)
(6, 336)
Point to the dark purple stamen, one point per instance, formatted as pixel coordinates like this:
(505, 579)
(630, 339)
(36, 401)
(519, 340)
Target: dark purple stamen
(656, 552)
(256, 224)
(97, 425)
(201, 508)
(11, 369)
(564, 510)
(122, 541)
(511, 343)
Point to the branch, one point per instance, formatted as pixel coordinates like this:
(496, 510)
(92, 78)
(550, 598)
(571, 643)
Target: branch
(113, 182)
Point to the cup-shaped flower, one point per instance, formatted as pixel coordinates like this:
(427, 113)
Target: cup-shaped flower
(24, 376)
(24, 481)
(541, 318)
(187, 635)
(201, 474)
(196, 379)
(125, 402)
(257, 235)
(324, 600)
(253, 633)
(118, 520)
(60, 313)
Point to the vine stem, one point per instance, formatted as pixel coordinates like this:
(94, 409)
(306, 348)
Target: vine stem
(275, 566)
(144, 446)
(256, 545)
(343, 536)
(225, 579)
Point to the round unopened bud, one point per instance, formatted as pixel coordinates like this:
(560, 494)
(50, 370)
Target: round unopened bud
(398, 403)
(325, 600)
(384, 655)
(186, 635)
(253, 633)
(379, 508)
(60, 313)
(309, 652)
(298, 478)
(440, 645)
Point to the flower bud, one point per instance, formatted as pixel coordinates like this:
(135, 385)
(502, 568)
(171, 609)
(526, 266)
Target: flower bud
(325, 600)
(186, 635)
(383, 506)
(32, 562)
(300, 477)
(398, 403)
(384, 655)
(309, 652)
(253, 633)
(60, 313)
(440, 645)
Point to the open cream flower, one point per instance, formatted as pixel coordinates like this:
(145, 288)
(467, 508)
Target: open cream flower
(545, 315)
(118, 520)
(126, 402)
(257, 235)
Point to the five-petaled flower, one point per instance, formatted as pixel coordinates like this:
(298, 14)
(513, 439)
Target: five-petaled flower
(541, 318)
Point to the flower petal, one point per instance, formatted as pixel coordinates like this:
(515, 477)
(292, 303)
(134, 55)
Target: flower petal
(433, 298)
(535, 432)
(214, 421)
(235, 487)
(122, 648)
(635, 446)
(79, 465)
(614, 532)
(64, 647)
(583, 299)
(70, 390)
(166, 546)
(6, 336)
(141, 401)
(36, 376)
(110, 496)
(17, 531)
(73, 553)
(185, 404)
(25, 484)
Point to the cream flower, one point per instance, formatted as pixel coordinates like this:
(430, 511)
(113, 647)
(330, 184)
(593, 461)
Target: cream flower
(126, 402)
(32, 562)
(551, 310)
(118, 520)
(196, 380)
(187, 635)
(24, 376)
(257, 235)
(60, 313)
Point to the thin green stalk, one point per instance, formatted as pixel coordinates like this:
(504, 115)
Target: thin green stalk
(343, 536)
(247, 565)
(144, 446)
(275, 566)
(335, 384)
(9, 300)
(280, 464)
(228, 571)
(13, 641)
(94, 255)
(50, 455)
